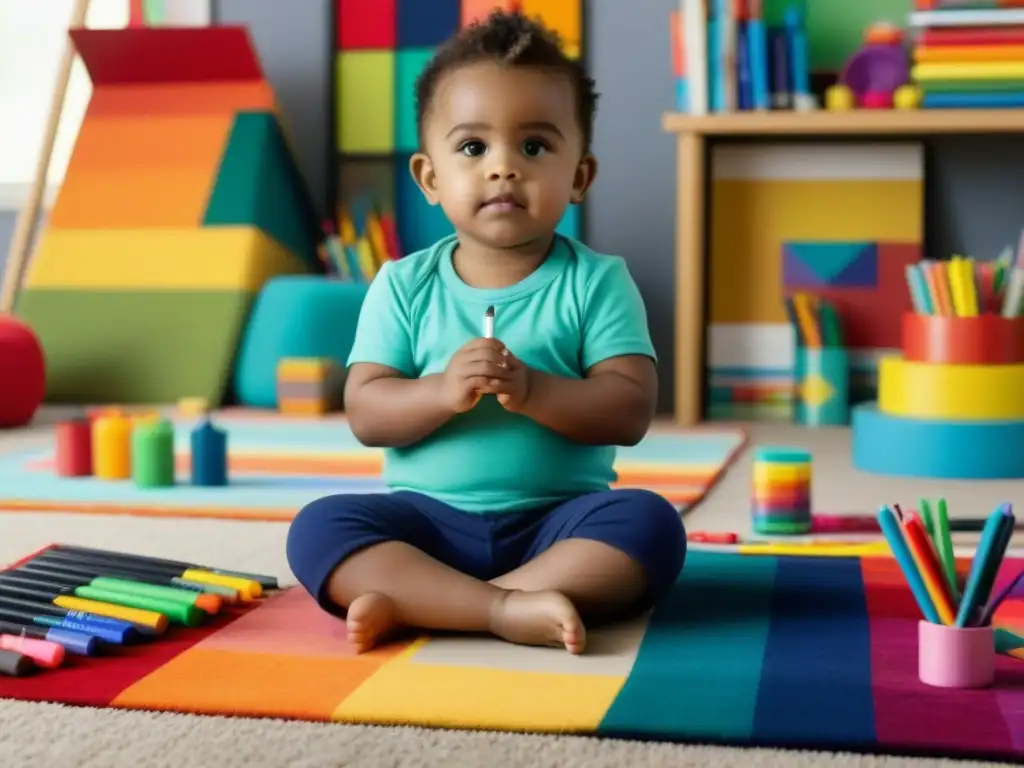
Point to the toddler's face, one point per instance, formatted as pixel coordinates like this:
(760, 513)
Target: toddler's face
(503, 153)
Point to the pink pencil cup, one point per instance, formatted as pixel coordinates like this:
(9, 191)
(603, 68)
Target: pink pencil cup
(956, 657)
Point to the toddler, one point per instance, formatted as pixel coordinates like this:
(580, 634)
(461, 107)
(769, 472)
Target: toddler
(498, 369)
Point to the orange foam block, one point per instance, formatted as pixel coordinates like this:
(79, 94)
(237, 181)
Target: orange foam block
(141, 172)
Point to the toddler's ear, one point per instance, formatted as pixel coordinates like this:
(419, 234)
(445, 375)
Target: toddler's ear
(586, 172)
(422, 171)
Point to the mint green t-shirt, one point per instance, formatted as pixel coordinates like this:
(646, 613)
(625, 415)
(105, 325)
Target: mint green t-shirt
(577, 309)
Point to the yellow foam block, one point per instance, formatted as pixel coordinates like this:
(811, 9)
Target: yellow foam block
(561, 16)
(313, 406)
(304, 368)
(226, 258)
(934, 391)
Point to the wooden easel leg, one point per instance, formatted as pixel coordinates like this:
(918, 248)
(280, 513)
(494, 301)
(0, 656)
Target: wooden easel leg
(21, 240)
(690, 248)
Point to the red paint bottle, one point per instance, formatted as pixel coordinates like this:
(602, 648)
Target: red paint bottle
(74, 448)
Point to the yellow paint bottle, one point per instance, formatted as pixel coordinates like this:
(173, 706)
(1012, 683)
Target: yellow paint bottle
(111, 447)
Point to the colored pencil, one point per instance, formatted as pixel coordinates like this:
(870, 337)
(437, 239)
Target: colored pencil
(944, 546)
(985, 565)
(927, 564)
(897, 543)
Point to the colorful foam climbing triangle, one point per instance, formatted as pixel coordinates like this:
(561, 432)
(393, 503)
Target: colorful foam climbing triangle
(181, 199)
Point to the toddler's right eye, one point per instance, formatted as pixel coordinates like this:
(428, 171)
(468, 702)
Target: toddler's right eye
(473, 148)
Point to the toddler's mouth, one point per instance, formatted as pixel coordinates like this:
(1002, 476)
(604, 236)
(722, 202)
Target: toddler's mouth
(501, 203)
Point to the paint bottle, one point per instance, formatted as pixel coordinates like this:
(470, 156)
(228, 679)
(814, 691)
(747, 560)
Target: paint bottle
(781, 493)
(111, 447)
(153, 453)
(209, 454)
(74, 448)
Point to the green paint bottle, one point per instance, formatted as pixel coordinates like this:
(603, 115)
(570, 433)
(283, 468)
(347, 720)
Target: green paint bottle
(153, 454)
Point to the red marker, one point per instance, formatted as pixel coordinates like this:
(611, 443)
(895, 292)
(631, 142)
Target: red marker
(710, 537)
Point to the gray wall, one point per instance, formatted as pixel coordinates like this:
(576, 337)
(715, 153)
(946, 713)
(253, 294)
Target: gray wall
(974, 204)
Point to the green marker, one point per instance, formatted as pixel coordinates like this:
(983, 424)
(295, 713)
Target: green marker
(178, 613)
(926, 517)
(944, 545)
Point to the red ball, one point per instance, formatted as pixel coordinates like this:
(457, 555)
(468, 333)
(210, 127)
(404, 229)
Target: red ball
(22, 373)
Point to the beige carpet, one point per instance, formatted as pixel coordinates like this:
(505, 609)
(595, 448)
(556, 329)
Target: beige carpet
(86, 738)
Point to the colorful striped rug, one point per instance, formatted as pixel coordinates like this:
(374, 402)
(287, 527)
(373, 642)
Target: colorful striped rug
(807, 652)
(279, 464)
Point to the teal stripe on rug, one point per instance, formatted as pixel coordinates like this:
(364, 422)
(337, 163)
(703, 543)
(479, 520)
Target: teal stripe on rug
(698, 669)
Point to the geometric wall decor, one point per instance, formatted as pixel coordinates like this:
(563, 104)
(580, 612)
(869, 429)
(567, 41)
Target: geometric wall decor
(840, 221)
(381, 46)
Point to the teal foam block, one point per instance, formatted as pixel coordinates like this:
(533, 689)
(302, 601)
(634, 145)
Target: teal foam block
(294, 316)
(409, 63)
(951, 450)
(258, 184)
(420, 224)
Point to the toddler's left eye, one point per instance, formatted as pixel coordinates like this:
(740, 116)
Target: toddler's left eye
(534, 148)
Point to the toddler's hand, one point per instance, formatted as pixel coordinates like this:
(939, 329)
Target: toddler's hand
(514, 390)
(478, 368)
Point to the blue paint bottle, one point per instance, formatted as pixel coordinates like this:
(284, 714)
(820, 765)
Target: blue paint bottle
(209, 455)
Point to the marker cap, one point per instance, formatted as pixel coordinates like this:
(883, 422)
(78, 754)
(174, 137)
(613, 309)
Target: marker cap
(16, 664)
(74, 642)
(43, 652)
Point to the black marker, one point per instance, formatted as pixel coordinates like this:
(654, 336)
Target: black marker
(267, 582)
(16, 664)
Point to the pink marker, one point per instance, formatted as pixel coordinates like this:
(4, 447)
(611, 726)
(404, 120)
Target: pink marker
(43, 652)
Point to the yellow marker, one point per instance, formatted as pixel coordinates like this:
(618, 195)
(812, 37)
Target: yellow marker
(247, 588)
(150, 619)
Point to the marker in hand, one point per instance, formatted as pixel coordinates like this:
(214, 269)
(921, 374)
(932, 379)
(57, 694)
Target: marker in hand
(489, 323)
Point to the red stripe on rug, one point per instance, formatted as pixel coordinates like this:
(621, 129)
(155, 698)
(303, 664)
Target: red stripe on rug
(909, 713)
(95, 681)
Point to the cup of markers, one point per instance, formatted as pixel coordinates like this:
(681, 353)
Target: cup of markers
(956, 637)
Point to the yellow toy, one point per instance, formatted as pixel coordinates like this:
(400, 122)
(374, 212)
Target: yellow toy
(907, 97)
(839, 98)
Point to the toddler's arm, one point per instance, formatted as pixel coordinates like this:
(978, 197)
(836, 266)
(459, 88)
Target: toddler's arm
(613, 405)
(387, 410)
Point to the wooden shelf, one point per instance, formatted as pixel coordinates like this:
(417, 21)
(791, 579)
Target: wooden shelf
(856, 122)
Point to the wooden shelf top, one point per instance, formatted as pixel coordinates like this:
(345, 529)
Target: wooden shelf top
(867, 121)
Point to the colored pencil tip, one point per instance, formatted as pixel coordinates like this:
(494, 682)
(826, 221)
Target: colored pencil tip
(489, 312)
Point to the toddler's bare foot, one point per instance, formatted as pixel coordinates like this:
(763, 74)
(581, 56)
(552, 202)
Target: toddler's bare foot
(539, 618)
(371, 618)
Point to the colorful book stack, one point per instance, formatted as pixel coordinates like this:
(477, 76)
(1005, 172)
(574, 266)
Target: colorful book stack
(726, 58)
(969, 54)
(961, 287)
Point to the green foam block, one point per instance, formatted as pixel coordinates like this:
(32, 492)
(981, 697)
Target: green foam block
(136, 346)
(258, 184)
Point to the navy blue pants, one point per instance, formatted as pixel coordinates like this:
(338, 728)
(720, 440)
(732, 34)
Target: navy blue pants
(639, 523)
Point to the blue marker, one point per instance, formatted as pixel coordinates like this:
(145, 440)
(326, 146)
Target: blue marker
(73, 642)
(109, 630)
(893, 535)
